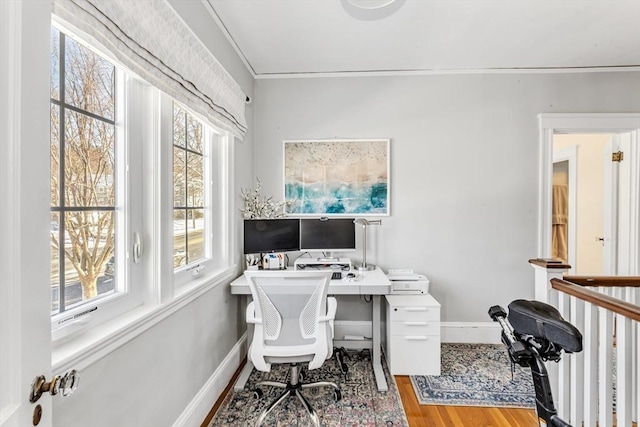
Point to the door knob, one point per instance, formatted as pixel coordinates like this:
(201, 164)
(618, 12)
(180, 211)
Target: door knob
(67, 384)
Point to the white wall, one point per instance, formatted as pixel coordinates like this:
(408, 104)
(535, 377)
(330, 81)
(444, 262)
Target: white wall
(151, 380)
(464, 161)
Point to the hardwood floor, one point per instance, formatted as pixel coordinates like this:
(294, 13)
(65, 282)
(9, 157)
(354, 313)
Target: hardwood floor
(459, 416)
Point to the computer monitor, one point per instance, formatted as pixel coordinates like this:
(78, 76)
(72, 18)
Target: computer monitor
(271, 235)
(327, 234)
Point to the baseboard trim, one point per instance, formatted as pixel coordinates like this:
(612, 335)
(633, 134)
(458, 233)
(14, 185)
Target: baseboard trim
(470, 332)
(203, 401)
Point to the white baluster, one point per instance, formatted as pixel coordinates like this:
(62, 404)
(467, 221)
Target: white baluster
(563, 400)
(553, 369)
(605, 388)
(623, 367)
(590, 350)
(635, 358)
(577, 366)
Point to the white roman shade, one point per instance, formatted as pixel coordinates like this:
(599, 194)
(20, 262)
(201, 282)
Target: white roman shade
(150, 39)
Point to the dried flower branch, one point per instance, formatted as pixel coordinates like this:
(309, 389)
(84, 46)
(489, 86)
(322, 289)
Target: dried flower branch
(256, 207)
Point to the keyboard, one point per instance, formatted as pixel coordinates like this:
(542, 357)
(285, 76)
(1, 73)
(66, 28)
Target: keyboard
(337, 275)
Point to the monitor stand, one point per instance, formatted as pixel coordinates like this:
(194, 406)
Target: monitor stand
(326, 262)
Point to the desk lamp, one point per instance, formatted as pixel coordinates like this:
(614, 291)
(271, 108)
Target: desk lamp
(365, 223)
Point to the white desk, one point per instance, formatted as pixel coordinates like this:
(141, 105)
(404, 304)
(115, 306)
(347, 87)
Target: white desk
(373, 283)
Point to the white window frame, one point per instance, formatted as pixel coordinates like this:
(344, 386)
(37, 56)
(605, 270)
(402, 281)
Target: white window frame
(130, 121)
(154, 292)
(218, 206)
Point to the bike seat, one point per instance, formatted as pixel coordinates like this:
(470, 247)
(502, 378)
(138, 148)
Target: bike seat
(543, 321)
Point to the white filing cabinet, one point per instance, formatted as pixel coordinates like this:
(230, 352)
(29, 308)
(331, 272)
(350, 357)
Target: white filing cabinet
(413, 335)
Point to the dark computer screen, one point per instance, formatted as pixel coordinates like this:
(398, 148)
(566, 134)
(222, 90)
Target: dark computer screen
(327, 234)
(271, 235)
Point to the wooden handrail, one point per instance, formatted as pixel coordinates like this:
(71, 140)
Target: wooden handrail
(606, 281)
(596, 298)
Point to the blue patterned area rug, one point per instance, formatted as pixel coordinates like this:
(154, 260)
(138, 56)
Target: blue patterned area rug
(476, 375)
(361, 405)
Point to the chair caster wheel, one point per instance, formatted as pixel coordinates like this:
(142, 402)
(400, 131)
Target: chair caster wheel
(337, 394)
(257, 394)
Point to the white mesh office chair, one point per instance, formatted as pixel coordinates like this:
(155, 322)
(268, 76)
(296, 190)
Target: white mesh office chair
(293, 324)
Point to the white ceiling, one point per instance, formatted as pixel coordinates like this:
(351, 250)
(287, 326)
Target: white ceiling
(290, 37)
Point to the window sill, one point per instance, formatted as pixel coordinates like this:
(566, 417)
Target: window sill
(87, 347)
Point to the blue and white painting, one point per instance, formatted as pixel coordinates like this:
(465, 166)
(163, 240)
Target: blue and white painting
(333, 178)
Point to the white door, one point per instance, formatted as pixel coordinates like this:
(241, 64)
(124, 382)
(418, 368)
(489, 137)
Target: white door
(25, 337)
(611, 209)
(621, 205)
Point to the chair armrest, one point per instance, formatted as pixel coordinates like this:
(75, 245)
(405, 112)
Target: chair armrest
(332, 306)
(251, 314)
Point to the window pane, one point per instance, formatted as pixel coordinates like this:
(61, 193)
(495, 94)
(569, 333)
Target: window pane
(89, 161)
(82, 150)
(179, 238)
(89, 247)
(194, 134)
(195, 235)
(179, 119)
(89, 80)
(195, 183)
(179, 178)
(55, 154)
(55, 263)
(55, 63)
(189, 188)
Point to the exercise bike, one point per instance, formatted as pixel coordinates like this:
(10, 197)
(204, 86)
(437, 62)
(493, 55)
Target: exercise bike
(535, 332)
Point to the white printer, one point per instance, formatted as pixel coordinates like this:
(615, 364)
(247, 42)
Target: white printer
(405, 281)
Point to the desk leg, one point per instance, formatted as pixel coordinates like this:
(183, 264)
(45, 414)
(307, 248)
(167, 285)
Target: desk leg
(376, 356)
(243, 377)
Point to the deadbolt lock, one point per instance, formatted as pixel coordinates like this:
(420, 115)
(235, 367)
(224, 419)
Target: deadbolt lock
(66, 384)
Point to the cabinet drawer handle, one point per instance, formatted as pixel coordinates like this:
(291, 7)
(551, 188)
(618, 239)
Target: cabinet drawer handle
(415, 338)
(416, 309)
(415, 323)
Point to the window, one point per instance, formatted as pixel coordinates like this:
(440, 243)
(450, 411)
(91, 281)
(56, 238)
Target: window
(83, 174)
(201, 210)
(189, 219)
(130, 170)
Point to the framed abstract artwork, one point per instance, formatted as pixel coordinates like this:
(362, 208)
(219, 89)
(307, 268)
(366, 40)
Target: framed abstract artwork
(337, 177)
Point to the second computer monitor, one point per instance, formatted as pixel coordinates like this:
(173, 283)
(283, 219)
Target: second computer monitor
(327, 235)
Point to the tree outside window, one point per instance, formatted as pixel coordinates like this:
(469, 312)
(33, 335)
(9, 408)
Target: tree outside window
(83, 173)
(188, 188)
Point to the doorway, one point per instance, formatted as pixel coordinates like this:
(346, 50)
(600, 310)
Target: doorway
(578, 201)
(619, 185)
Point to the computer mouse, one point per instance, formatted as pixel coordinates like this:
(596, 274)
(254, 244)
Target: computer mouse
(350, 275)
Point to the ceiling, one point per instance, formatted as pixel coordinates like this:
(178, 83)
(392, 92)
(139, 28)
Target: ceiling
(300, 37)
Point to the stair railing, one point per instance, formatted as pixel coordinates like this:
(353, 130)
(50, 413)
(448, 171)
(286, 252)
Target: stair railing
(607, 312)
